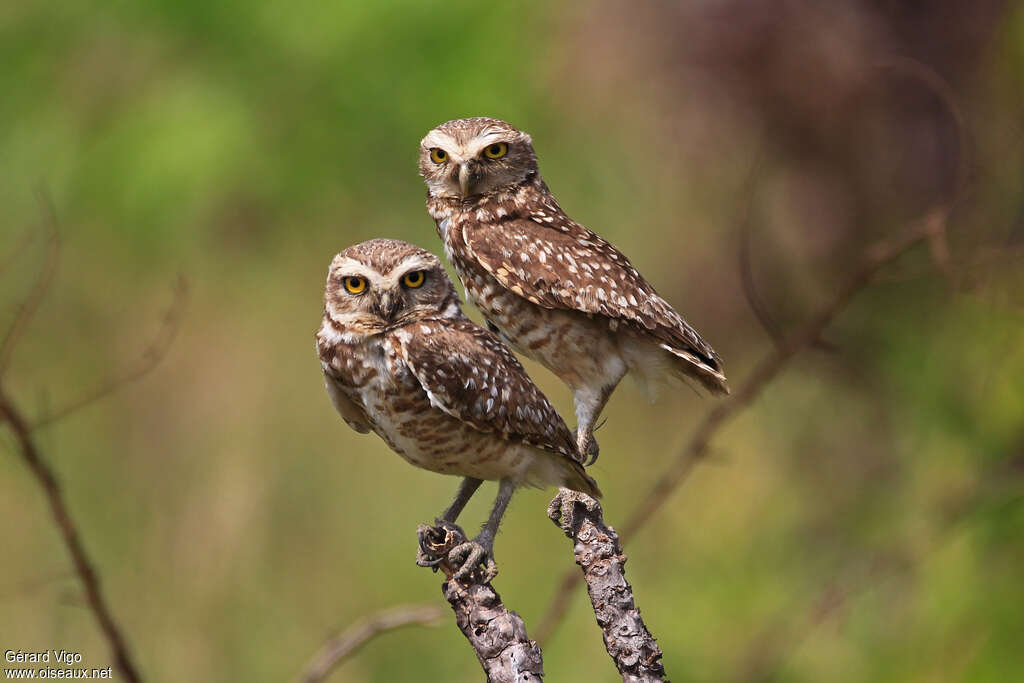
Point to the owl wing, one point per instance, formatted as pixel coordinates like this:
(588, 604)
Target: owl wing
(350, 412)
(557, 263)
(469, 374)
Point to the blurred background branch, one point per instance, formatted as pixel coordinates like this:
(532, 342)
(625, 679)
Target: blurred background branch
(877, 256)
(342, 646)
(65, 524)
(20, 426)
(932, 228)
(146, 362)
(886, 570)
(28, 306)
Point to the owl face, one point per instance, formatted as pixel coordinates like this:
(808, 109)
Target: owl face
(471, 157)
(382, 284)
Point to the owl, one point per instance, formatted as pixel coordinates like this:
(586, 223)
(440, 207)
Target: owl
(400, 359)
(557, 292)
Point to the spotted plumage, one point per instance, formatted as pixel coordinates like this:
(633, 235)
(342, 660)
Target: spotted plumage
(400, 359)
(553, 289)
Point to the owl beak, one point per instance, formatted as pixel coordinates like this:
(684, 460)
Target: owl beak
(386, 306)
(465, 179)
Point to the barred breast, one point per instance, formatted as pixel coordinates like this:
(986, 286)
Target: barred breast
(374, 376)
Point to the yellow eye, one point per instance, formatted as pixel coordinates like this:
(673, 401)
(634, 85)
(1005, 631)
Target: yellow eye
(355, 285)
(438, 155)
(496, 151)
(414, 279)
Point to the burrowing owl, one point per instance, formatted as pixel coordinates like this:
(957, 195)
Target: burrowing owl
(556, 291)
(401, 359)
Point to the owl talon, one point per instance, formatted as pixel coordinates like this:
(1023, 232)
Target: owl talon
(443, 546)
(591, 451)
(468, 556)
(435, 541)
(425, 560)
(588, 448)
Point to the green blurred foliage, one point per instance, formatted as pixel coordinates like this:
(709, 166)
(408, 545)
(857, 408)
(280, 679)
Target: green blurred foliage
(862, 521)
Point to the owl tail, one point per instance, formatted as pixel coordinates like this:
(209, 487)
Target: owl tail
(578, 480)
(689, 365)
(554, 469)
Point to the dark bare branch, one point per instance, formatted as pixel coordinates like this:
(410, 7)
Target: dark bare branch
(497, 635)
(599, 554)
(65, 524)
(348, 642)
(44, 474)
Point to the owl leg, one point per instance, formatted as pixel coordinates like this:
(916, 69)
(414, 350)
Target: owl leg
(589, 402)
(481, 549)
(466, 490)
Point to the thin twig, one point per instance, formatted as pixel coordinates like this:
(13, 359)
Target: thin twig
(348, 642)
(143, 365)
(42, 284)
(769, 367)
(931, 80)
(16, 251)
(497, 635)
(757, 305)
(44, 474)
(938, 86)
(764, 372)
(985, 258)
(750, 292)
(599, 554)
(62, 517)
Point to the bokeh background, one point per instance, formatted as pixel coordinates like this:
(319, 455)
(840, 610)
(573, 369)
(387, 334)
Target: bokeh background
(862, 521)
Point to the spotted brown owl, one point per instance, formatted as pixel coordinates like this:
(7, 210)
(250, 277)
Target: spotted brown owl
(557, 292)
(399, 358)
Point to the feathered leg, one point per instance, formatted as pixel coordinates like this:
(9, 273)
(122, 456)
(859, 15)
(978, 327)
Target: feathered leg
(589, 403)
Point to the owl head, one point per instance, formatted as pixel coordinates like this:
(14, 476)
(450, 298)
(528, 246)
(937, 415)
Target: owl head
(477, 156)
(380, 284)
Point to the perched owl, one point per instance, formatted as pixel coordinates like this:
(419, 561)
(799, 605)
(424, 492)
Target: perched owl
(401, 359)
(556, 291)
